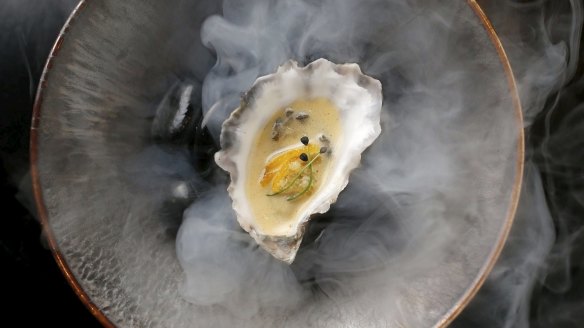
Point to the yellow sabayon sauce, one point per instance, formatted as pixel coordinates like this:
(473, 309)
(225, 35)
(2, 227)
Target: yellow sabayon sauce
(275, 214)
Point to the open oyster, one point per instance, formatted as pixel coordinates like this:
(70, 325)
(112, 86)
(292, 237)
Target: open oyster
(291, 145)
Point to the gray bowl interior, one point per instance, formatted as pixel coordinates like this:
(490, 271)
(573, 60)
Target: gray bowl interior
(444, 183)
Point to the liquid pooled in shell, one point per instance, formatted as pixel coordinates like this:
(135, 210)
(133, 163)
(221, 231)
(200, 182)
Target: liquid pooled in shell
(282, 172)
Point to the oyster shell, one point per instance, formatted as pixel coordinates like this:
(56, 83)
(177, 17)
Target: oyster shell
(327, 113)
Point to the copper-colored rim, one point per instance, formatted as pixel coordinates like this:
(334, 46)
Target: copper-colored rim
(42, 210)
(445, 321)
(486, 269)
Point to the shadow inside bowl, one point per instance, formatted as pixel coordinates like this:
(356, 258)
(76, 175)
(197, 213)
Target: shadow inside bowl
(405, 245)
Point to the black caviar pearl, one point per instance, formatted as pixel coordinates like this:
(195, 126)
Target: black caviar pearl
(304, 157)
(304, 140)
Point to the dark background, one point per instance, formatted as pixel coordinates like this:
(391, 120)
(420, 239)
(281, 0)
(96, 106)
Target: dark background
(32, 288)
(34, 291)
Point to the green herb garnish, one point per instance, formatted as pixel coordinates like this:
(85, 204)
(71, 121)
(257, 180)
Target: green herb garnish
(291, 183)
(308, 186)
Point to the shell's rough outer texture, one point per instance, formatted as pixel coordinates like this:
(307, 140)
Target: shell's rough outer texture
(358, 99)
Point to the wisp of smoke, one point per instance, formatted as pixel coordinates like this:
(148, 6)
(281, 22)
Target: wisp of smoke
(393, 202)
(27, 30)
(406, 203)
(534, 271)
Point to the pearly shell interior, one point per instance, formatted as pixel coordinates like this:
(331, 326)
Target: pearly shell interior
(356, 100)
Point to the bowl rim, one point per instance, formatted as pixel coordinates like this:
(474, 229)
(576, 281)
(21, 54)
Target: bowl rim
(36, 185)
(446, 319)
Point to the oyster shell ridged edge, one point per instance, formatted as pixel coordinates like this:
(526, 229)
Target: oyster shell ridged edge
(284, 247)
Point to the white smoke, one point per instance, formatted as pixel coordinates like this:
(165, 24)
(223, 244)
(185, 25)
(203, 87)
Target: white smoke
(392, 223)
(542, 39)
(346, 258)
